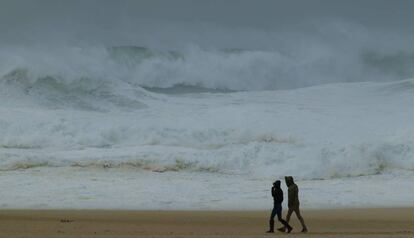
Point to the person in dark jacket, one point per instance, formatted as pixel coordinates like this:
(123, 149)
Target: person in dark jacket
(293, 202)
(277, 195)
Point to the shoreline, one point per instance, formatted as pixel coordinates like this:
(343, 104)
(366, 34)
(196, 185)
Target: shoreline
(365, 222)
(219, 210)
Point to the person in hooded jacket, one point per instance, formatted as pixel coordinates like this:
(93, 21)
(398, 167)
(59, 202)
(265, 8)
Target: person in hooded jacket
(293, 202)
(277, 195)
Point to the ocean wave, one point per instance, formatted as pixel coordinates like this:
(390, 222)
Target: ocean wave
(136, 164)
(55, 91)
(89, 108)
(255, 159)
(321, 132)
(93, 69)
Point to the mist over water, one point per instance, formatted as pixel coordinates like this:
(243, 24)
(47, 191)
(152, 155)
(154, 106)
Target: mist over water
(293, 61)
(227, 46)
(325, 51)
(252, 91)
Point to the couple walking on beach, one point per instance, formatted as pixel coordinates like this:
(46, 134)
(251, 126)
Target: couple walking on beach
(293, 205)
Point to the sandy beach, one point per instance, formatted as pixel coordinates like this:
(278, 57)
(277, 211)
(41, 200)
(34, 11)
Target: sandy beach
(381, 222)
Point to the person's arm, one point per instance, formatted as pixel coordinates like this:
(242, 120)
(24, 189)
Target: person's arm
(281, 195)
(273, 192)
(291, 196)
(296, 195)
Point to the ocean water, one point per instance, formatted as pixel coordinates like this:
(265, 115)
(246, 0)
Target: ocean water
(131, 127)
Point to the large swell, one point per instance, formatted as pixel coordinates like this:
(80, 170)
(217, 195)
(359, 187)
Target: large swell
(97, 69)
(100, 107)
(329, 104)
(128, 112)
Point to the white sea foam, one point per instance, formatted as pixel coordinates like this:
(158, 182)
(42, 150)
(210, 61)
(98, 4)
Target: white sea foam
(313, 133)
(99, 112)
(290, 65)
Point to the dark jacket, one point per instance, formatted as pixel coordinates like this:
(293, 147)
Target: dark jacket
(277, 194)
(293, 192)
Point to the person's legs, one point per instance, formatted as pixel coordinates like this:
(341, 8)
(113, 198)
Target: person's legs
(279, 217)
(289, 213)
(272, 220)
(302, 222)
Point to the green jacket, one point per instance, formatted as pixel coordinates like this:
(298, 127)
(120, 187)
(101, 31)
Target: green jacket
(293, 192)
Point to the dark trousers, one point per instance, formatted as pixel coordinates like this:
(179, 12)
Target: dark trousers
(277, 210)
(298, 215)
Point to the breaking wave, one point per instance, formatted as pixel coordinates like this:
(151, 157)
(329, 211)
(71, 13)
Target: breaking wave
(256, 159)
(206, 110)
(102, 71)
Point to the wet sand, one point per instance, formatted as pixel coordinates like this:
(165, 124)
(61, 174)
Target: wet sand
(377, 222)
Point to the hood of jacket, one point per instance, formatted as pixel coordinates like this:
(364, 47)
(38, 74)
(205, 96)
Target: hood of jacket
(276, 184)
(289, 180)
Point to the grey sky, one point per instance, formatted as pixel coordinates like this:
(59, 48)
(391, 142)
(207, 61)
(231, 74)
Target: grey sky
(105, 18)
(234, 12)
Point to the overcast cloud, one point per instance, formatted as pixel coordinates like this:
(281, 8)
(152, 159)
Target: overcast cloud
(148, 21)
